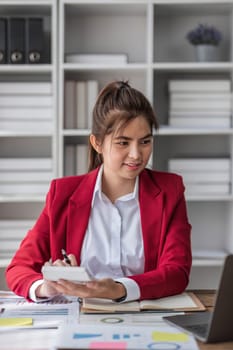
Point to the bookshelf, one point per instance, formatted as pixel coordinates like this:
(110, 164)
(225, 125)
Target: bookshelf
(150, 35)
(162, 54)
(28, 133)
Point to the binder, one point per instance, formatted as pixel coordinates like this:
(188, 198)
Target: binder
(3, 40)
(16, 40)
(34, 40)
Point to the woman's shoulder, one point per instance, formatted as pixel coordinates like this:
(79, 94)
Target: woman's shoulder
(164, 180)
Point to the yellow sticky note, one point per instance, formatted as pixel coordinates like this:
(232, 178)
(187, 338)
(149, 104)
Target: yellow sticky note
(15, 322)
(167, 336)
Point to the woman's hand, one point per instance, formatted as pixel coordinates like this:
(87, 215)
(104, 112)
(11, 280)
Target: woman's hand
(104, 288)
(49, 288)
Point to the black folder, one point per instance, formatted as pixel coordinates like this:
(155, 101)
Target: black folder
(16, 40)
(3, 40)
(34, 40)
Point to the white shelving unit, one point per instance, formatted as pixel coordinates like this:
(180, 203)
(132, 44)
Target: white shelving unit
(152, 35)
(28, 143)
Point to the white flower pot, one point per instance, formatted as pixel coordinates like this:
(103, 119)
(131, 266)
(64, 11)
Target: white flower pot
(206, 53)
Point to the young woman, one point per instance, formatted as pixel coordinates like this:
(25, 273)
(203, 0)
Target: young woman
(126, 224)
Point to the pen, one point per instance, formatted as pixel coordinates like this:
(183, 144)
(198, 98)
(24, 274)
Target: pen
(65, 256)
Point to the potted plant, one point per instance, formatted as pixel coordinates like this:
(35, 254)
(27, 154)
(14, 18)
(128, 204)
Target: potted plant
(205, 38)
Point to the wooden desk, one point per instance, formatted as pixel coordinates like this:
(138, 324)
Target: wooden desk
(207, 298)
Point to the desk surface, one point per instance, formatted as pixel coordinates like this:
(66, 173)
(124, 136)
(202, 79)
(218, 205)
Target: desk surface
(207, 298)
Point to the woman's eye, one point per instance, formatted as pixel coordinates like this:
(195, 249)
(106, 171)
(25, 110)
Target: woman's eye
(122, 143)
(145, 142)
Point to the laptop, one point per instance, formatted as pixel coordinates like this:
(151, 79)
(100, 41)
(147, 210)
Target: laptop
(212, 326)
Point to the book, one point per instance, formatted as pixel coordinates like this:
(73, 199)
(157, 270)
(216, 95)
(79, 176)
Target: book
(16, 40)
(23, 188)
(200, 122)
(3, 40)
(197, 164)
(207, 114)
(193, 104)
(26, 113)
(34, 40)
(81, 159)
(70, 101)
(25, 176)
(25, 164)
(97, 58)
(69, 160)
(186, 301)
(206, 176)
(92, 92)
(27, 125)
(25, 87)
(81, 105)
(198, 85)
(26, 100)
(207, 188)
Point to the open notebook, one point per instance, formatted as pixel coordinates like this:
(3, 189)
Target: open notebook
(186, 301)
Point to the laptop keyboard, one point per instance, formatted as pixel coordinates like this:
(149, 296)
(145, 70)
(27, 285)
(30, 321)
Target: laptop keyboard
(200, 329)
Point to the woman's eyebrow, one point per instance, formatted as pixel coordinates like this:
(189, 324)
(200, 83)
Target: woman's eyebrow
(130, 138)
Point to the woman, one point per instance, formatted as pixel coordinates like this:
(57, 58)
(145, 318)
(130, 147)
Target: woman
(126, 224)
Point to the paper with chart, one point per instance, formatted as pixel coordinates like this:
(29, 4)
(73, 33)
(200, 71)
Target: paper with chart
(123, 337)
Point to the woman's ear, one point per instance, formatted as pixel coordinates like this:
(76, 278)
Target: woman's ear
(95, 143)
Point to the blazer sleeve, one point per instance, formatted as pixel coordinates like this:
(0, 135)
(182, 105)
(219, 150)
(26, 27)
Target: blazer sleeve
(168, 256)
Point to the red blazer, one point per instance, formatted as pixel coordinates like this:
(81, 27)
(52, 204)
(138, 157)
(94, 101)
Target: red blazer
(64, 219)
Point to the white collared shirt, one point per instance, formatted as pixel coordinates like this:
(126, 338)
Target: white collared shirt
(113, 244)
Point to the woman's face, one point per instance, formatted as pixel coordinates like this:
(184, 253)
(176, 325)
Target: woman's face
(126, 153)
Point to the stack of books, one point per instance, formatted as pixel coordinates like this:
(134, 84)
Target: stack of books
(26, 106)
(11, 234)
(203, 176)
(76, 159)
(25, 176)
(80, 97)
(200, 103)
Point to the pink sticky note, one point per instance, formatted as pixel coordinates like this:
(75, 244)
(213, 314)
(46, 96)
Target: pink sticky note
(108, 345)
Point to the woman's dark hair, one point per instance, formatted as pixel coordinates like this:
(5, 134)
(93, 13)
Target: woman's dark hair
(117, 104)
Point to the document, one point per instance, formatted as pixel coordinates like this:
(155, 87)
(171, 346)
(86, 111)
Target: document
(122, 337)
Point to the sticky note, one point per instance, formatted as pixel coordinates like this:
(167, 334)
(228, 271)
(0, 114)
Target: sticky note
(108, 345)
(168, 336)
(15, 322)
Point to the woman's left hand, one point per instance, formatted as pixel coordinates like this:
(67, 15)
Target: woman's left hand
(104, 288)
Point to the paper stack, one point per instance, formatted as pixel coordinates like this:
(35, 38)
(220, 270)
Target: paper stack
(80, 97)
(200, 103)
(25, 176)
(203, 176)
(76, 159)
(26, 106)
(11, 234)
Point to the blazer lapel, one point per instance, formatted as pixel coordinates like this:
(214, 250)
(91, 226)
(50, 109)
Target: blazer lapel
(78, 214)
(151, 206)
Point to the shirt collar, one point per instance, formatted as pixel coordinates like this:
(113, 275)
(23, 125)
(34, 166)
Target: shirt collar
(98, 189)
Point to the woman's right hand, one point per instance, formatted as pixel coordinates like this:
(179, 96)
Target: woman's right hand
(49, 288)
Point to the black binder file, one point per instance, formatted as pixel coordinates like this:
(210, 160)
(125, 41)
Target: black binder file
(35, 40)
(16, 40)
(3, 40)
